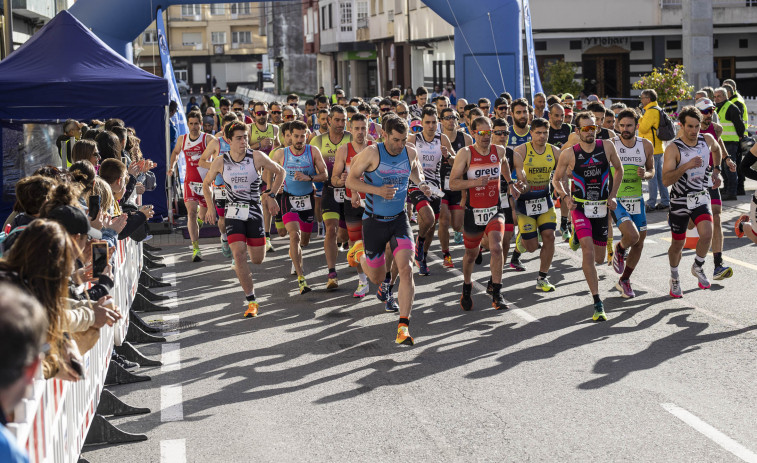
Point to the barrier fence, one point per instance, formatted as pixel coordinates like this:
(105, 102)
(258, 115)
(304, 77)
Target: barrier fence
(53, 420)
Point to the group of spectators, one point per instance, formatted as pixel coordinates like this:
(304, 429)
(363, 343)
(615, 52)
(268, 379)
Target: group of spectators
(52, 304)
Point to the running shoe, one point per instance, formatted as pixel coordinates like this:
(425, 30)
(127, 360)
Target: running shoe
(675, 288)
(466, 302)
(269, 246)
(618, 261)
(384, 292)
(352, 255)
(739, 228)
(565, 233)
(225, 249)
(458, 238)
(624, 286)
(196, 255)
(722, 272)
(304, 288)
(698, 272)
(333, 282)
(544, 285)
(517, 265)
(403, 336)
(480, 256)
(252, 309)
(519, 244)
(573, 242)
(499, 303)
(423, 268)
(448, 261)
(362, 290)
(599, 312)
(391, 304)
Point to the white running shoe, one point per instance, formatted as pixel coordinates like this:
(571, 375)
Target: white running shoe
(269, 246)
(361, 291)
(698, 272)
(675, 288)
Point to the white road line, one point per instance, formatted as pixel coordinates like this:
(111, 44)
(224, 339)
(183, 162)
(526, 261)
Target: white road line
(711, 433)
(170, 357)
(169, 277)
(173, 451)
(171, 406)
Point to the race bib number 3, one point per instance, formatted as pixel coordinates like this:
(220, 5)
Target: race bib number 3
(238, 211)
(300, 203)
(339, 195)
(483, 215)
(196, 187)
(595, 209)
(631, 205)
(700, 198)
(535, 207)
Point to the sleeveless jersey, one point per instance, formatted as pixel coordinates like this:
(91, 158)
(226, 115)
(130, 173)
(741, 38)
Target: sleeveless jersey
(256, 135)
(559, 136)
(223, 148)
(392, 170)
(487, 165)
(603, 134)
(430, 156)
(591, 174)
(298, 163)
(693, 180)
(242, 182)
(193, 149)
(538, 168)
(514, 140)
(631, 158)
(351, 153)
(328, 148)
(711, 131)
(446, 168)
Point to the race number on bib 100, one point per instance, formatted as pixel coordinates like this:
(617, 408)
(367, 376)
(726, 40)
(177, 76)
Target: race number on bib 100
(536, 206)
(300, 203)
(700, 198)
(339, 195)
(238, 211)
(595, 209)
(196, 187)
(631, 205)
(483, 215)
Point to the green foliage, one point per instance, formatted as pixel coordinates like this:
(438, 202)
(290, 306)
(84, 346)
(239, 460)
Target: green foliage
(669, 82)
(560, 77)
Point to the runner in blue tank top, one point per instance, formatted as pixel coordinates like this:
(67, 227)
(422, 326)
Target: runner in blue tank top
(382, 172)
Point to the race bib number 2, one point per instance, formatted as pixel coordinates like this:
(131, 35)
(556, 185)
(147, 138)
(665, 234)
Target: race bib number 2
(700, 198)
(483, 215)
(595, 209)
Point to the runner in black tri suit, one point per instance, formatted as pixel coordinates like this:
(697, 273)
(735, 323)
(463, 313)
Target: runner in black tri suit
(451, 212)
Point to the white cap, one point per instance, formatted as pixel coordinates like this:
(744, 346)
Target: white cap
(704, 103)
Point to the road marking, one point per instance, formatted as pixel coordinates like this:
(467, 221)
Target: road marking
(173, 451)
(711, 433)
(171, 406)
(170, 357)
(728, 259)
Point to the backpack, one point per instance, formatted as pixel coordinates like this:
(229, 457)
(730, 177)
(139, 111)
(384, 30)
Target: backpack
(5, 244)
(666, 131)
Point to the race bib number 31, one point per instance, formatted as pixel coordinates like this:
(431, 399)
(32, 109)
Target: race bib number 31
(483, 215)
(300, 203)
(238, 211)
(595, 209)
(631, 205)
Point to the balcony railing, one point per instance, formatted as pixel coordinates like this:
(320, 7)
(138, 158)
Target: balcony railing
(362, 23)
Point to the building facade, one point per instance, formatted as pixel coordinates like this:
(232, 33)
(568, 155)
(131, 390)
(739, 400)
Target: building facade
(28, 17)
(293, 67)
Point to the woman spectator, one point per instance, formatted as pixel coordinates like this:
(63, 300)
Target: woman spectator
(108, 145)
(86, 150)
(31, 193)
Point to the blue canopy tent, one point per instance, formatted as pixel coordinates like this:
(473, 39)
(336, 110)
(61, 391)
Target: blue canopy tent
(65, 71)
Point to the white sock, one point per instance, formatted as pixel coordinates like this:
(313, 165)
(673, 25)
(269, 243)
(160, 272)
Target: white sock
(363, 278)
(224, 237)
(674, 272)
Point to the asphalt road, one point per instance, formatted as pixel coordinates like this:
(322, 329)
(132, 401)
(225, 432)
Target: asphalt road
(319, 378)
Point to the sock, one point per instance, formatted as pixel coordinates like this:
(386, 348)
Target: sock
(698, 261)
(332, 270)
(674, 272)
(467, 287)
(300, 278)
(251, 296)
(404, 321)
(363, 278)
(596, 298)
(224, 237)
(388, 277)
(718, 258)
(268, 235)
(542, 275)
(621, 249)
(563, 222)
(627, 273)
(516, 256)
(445, 252)
(496, 288)
(195, 244)
(421, 242)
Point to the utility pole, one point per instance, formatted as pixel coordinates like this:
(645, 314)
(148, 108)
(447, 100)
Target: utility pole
(7, 27)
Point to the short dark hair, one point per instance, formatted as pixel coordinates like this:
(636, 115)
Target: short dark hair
(429, 112)
(628, 113)
(385, 102)
(310, 102)
(582, 115)
(689, 111)
(293, 96)
(483, 100)
(469, 107)
(286, 127)
(609, 112)
(506, 96)
(337, 109)
(446, 110)
(552, 99)
(478, 121)
(358, 118)
(421, 91)
(475, 112)
(298, 125)
(396, 124)
(111, 170)
(120, 132)
(519, 102)
(23, 330)
(395, 92)
(322, 99)
(229, 118)
(538, 123)
(112, 122)
(500, 122)
(323, 111)
(260, 103)
(554, 105)
(225, 102)
(194, 114)
(108, 145)
(173, 106)
(233, 127)
(500, 101)
(596, 107)
(238, 101)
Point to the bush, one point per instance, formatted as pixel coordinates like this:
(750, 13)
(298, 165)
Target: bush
(560, 77)
(669, 82)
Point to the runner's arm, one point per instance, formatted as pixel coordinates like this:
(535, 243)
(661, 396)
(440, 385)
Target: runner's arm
(468, 139)
(272, 168)
(416, 170)
(366, 160)
(671, 157)
(175, 153)
(216, 167)
(320, 166)
(456, 181)
(450, 159)
(213, 147)
(564, 165)
(518, 154)
(339, 163)
(573, 139)
(649, 171)
(617, 178)
(717, 155)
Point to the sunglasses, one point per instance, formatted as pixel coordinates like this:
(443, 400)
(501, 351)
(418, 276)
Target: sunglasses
(383, 110)
(237, 109)
(706, 111)
(502, 107)
(261, 113)
(402, 113)
(501, 133)
(289, 117)
(417, 129)
(450, 118)
(275, 112)
(484, 108)
(589, 128)
(483, 133)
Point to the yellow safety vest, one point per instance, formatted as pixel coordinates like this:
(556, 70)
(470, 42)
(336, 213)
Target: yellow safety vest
(729, 130)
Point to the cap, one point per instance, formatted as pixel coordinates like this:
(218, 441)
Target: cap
(704, 103)
(415, 123)
(74, 221)
(592, 98)
(207, 120)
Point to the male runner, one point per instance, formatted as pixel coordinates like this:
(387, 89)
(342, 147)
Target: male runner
(276, 113)
(500, 135)
(303, 165)
(481, 163)
(353, 208)
(520, 133)
(263, 136)
(240, 168)
(684, 167)
(534, 163)
(192, 145)
(451, 210)
(332, 200)
(593, 195)
(559, 132)
(382, 172)
(433, 149)
(636, 155)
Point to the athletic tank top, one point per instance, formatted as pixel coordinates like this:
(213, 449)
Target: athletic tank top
(446, 168)
(693, 180)
(711, 131)
(538, 168)
(351, 153)
(559, 136)
(241, 179)
(223, 148)
(603, 134)
(487, 165)
(328, 148)
(298, 163)
(459, 142)
(631, 158)
(193, 149)
(591, 174)
(256, 135)
(430, 156)
(514, 140)
(392, 170)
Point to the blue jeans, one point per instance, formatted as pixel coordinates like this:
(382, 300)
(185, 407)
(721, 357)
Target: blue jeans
(656, 183)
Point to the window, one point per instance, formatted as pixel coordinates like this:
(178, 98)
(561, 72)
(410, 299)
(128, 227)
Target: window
(240, 8)
(331, 16)
(217, 8)
(540, 45)
(180, 74)
(725, 68)
(743, 43)
(345, 14)
(191, 38)
(575, 44)
(218, 38)
(241, 37)
(673, 45)
(362, 13)
(380, 6)
(150, 37)
(323, 18)
(191, 10)
(637, 46)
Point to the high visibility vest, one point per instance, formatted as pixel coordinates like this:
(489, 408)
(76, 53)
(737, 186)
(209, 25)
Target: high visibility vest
(334, 99)
(65, 149)
(729, 130)
(216, 102)
(744, 113)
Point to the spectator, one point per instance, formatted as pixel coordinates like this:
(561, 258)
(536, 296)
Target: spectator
(86, 150)
(437, 92)
(31, 193)
(115, 174)
(108, 145)
(649, 123)
(736, 99)
(733, 129)
(113, 122)
(65, 142)
(173, 130)
(450, 93)
(540, 105)
(83, 175)
(192, 104)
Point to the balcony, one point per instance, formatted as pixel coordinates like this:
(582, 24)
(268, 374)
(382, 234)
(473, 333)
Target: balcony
(363, 33)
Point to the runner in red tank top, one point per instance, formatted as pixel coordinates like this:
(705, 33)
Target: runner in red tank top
(477, 169)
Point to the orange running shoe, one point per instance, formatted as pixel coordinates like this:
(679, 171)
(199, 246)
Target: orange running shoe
(252, 309)
(353, 256)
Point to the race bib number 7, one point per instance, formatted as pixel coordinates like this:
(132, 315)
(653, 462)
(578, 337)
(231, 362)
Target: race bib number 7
(595, 209)
(238, 211)
(483, 215)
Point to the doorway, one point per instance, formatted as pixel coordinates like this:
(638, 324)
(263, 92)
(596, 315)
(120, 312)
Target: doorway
(607, 75)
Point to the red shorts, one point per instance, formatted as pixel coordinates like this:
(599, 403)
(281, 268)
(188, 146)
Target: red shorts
(193, 191)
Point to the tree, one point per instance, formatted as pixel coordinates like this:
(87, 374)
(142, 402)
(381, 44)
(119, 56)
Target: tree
(560, 77)
(669, 82)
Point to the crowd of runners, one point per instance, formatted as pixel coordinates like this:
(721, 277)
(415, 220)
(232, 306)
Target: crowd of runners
(492, 177)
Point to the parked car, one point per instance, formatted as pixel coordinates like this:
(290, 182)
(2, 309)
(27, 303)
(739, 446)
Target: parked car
(183, 87)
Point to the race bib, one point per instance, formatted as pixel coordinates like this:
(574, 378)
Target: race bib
(362, 203)
(238, 211)
(504, 200)
(196, 187)
(483, 215)
(300, 203)
(631, 205)
(535, 207)
(219, 193)
(595, 209)
(445, 184)
(339, 195)
(700, 198)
